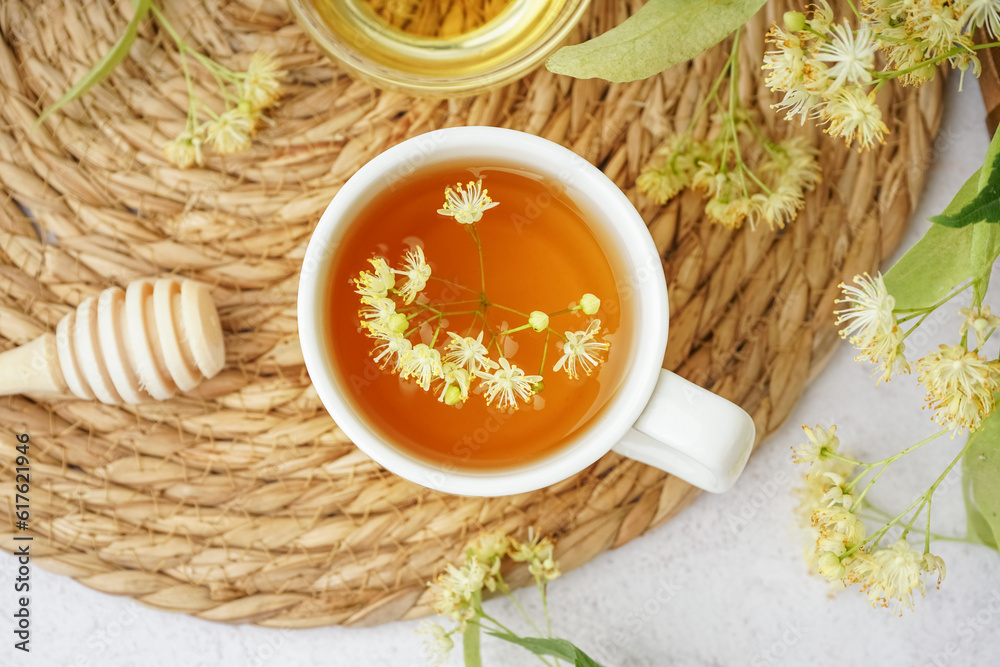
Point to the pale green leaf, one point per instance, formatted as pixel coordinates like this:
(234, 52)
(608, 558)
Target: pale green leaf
(984, 252)
(981, 481)
(977, 528)
(107, 64)
(661, 34)
(984, 206)
(988, 172)
(557, 648)
(939, 262)
(932, 268)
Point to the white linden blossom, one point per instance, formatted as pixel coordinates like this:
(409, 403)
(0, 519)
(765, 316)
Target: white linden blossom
(230, 131)
(467, 205)
(980, 322)
(421, 363)
(390, 350)
(488, 547)
(982, 12)
(377, 310)
(469, 353)
(852, 55)
(375, 284)
(581, 347)
(260, 85)
(787, 64)
(871, 326)
(437, 644)
(822, 17)
(897, 574)
(416, 271)
(508, 385)
(819, 439)
(455, 376)
(185, 150)
(454, 589)
(869, 312)
(960, 386)
(538, 554)
(851, 114)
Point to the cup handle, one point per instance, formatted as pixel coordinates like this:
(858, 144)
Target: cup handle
(691, 433)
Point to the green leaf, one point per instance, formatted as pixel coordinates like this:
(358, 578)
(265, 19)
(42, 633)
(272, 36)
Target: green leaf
(931, 269)
(470, 645)
(977, 527)
(107, 64)
(984, 206)
(939, 262)
(984, 252)
(559, 648)
(981, 481)
(661, 34)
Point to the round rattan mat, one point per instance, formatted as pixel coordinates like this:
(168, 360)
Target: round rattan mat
(243, 502)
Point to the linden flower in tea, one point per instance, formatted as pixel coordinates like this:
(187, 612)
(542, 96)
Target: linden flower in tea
(407, 327)
(467, 205)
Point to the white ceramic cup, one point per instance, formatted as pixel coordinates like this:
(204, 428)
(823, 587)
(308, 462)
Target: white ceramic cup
(655, 416)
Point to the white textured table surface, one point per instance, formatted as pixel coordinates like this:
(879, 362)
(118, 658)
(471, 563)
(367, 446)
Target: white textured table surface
(721, 584)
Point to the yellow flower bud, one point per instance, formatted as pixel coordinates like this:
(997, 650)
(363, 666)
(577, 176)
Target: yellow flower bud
(398, 323)
(590, 304)
(453, 395)
(538, 320)
(830, 566)
(795, 21)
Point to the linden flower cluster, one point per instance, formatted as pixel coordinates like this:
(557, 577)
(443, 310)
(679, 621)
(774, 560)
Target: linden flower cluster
(960, 383)
(458, 591)
(392, 312)
(233, 130)
(773, 191)
(745, 176)
(826, 68)
(838, 548)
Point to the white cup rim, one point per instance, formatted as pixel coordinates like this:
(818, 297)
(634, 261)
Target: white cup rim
(636, 249)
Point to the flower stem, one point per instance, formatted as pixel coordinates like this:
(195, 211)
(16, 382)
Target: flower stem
(514, 330)
(922, 500)
(885, 464)
(911, 448)
(545, 606)
(506, 591)
(482, 265)
(452, 283)
(545, 349)
(712, 92)
(182, 48)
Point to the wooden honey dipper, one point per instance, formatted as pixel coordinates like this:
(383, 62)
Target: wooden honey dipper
(124, 346)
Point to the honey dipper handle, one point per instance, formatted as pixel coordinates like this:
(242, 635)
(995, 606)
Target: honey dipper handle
(32, 368)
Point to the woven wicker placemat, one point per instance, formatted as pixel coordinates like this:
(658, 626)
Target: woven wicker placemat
(244, 502)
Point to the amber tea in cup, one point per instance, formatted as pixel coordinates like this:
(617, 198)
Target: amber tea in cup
(538, 254)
